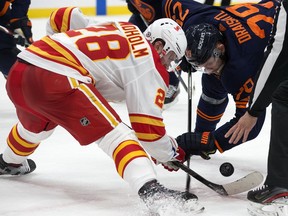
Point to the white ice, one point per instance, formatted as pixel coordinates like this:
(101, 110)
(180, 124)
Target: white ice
(71, 180)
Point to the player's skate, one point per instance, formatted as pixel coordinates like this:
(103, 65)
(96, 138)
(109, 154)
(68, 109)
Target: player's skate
(26, 167)
(162, 201)
(171, 96)
(268, 201)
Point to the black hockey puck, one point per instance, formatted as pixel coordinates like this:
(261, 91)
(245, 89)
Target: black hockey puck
(226, 169)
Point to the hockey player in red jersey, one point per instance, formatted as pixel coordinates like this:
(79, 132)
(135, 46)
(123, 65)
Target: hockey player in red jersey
(73, 75)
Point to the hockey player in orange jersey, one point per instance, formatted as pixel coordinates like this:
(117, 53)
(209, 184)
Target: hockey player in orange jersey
(73, 75)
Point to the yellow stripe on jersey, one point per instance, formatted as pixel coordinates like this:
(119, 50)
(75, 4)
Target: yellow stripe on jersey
(60, 19)
(66, 19)
(66, 58)
(73, 82)
(147, 128)
(148, 136)
(146, 120)
(97, 103)
(53, 21)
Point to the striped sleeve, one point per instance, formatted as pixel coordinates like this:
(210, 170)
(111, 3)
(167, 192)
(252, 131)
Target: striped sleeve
(65, 19)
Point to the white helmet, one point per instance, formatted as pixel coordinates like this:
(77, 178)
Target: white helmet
(170, 32)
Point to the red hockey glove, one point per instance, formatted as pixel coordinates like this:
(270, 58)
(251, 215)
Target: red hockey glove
(23, 27)
(179, 156)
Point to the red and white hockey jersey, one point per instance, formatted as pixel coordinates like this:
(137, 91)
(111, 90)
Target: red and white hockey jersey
(116, 57)
(65, 19)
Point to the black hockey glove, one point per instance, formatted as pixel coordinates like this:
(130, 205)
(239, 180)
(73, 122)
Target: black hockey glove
(20, 40)
(195, 143)
(23, 27)
(185, 65)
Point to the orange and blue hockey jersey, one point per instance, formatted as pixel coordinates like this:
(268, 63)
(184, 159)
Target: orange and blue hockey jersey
(246, 29)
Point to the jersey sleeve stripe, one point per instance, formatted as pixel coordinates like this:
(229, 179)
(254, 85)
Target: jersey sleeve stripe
(146, 120)
(66, 19)
(147, 128)
(60, 19)
(148, 137)
(57, 53)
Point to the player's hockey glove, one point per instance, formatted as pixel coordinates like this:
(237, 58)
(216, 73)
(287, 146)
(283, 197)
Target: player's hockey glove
(23, 27)
(179, 156)
(20, 40)
(195, 143)
(185, 65)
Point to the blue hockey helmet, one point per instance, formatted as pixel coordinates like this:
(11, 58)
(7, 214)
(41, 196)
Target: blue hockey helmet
(202, 39)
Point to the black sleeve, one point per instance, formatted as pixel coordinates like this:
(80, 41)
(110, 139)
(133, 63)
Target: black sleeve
(274, 68)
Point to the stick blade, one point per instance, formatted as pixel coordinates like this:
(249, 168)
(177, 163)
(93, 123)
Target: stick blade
(246, 183)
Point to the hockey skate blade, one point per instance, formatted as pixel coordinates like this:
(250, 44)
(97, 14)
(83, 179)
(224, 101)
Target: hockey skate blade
(273, 209)
(246, 183)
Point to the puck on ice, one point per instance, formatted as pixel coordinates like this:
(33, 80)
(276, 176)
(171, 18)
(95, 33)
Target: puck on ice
(226, 169)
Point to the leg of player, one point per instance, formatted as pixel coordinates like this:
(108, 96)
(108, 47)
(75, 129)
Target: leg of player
(274, 193)
(24, 143)
(135, 167)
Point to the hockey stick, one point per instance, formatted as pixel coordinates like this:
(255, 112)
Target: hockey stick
(241, 185)
(178, 74)
(20, 40)
(2, 28)
(189, 91)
